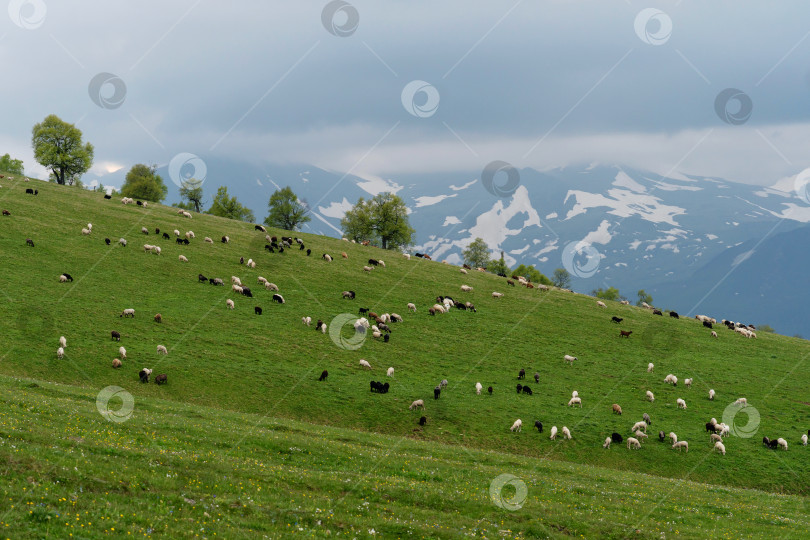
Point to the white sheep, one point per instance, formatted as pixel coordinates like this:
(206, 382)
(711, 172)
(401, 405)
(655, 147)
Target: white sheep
(566, 433)
(190, 235)
(236, 280)
(553, 436)
(361, 325)
(176, 232)
(724, 429)
(381, 262)
(650, 396)
(62, 341)
(187, 214)
(85, 231)
(161, 349)
(407, 256)
(633, 442)
(496, 294)
(323, 328)
(122, 352)
(396, 317)
(681, 403)
(517, 425)
(63, 278)
(237, 288)
(144, 230)
(714, 334)
(640, 434)
(262, 280)
(640, 425)
(711, 394)
(208, 240)
(365, 364)
(90, 226)
(570, 359)
(183, 258)
(716, 438)
(600, 303)
(148, 247)
(672, 437)
(229, 303)
(251, 264)
(478, 388)
(367, 268)
(607, 442)
(575, 401)
(720, 447)
(271, 286)
(782, 443)
(688, 382)
(466, 288)
(156, 250)
(804, 439)
(742, 401)
(574, 394)
(417, 404)
(463, 271)
(625, 302)
(650, 367)
(390, 372)
(60, 353)
(411, 306)
(681, 444)
(306, 320)
(122, 241)
(671, 379)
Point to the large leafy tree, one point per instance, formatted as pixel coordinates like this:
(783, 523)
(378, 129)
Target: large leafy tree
(644, 297)
(11, 165)
(562, 278)
(611, 293)
(532, 274)
(382, 218)
(58, 146)
(286, 212)
(477, 253)
(142, 183)
(499, 267)
(192, 194)
(229, 207)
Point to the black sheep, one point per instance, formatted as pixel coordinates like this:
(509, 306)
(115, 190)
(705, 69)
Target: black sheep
(29, 242)
(246, 292)
(386, 337)
(115, 335)
(29, 191)
(707, 324)
(766, 441)
(185, 241)
(144, 376)
(711, 427)
(661, 436)
(161, 379)
(519, 387)
(166, 236)
(617, 320)
(615, 437)
(68, 276)
(302, 248)
(157, 231)
(436, 392)
(489, 390)
(178, 241)
(108, 196)
(324, 375)
(385, 388)
(522, 374)
(308, 252)
(537, 377)
(363, 310)
(657, 312)
(674, 315)
(107, 241)
(139, 203)
(241, 260)
(257, 310)
(527, 390)
(423, 421)
(202, 278)
(539, 425)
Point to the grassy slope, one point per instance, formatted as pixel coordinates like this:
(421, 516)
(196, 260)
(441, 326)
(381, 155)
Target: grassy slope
(268, 365)
(180, 471)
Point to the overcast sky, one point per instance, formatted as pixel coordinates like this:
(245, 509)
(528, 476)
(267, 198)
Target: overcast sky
(534, 83)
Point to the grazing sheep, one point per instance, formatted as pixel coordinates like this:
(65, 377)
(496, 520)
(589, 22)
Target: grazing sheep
(463, 271)
(144, 230)
(714, 334)
(158, 318)
(417, 404)
(672, 437)
(29, 242)
(742, 401)
(804, 439)
(85, 231)
(466, 288)
(183, 258)
(422, 420)
(115, 335)
(324, 375)
(257, 310)
(688, 382)
(650, 396)
(116, 363)
(162, 350)
(600, 303)
(527, 390)
(717, 438)
(633, 442)
(570, 359)
(229, 303)
(617, 320)
(278, 298)
(646, 418)
(60, 353)
(6, 213)
(326, 257)
(122, 352)
(208, 240)
(390, 372)
(782, 443)
(711, 394)
(657, 312)
(661, 436)
(62, 341)
(123, 242)
(63, 278)
(606, 444)
(720, 447)
(615, 437)
(128, 313)
(681, 444)
(367, 268)
(517, 426)
(553, 436)
(225, 239)
(478, 388)
(566, 433)
(681, 403)
(144, 374)
(348, 294)
(625, 333)
(237, 288)
(575, 401)
(411, 307)
(574, 394)
(522, 374)
(539, 425)
(161, 378)
(306, 320)
(671, 379)
(271, 286)
(617, 409)
(640, 425)
(640, 434)
(437, 392)
(489, 389)
(496, 294)
(536, 377)
(365, 364)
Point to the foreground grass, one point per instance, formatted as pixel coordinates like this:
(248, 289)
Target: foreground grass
(180, 471)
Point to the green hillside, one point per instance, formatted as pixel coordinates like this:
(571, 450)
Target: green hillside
(268, 365)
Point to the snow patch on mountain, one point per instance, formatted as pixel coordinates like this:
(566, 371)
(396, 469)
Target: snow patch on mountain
(336, 210)
(465, 186)
(374, 185)
(600, 235)
(634, 244)
(430, 201)
(623, 180)
(794, 212)
(552, 215)
(451, 220)
(624, 203)
(520, 251)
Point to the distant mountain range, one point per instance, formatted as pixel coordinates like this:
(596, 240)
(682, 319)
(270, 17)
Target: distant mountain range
(676, 237)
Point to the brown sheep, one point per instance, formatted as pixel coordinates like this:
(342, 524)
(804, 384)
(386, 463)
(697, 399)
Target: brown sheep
(116, 363)
(158, 318)
(617, 409)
